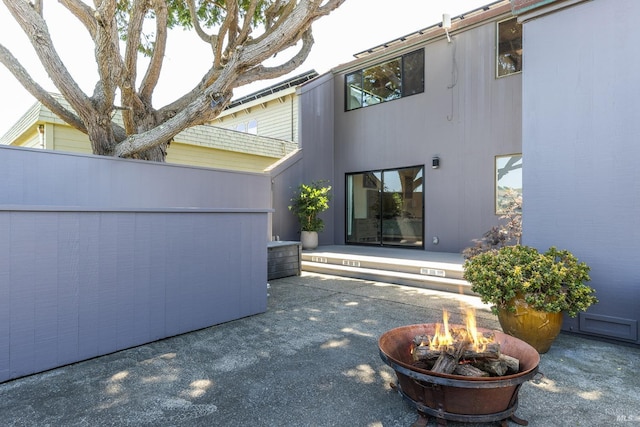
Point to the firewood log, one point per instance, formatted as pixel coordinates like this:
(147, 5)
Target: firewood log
(468, 370)
(449, 358)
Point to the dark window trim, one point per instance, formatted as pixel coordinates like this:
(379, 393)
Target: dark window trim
(381, 243)
(403, 90)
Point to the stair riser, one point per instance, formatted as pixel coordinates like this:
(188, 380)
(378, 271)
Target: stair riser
(421, 268)
(422, 281)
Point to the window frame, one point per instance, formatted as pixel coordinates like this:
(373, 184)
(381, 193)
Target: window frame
(497, 49)
(498, 197)
(403, 92)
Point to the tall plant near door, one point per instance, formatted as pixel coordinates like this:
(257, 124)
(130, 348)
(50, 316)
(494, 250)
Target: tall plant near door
(308, 202)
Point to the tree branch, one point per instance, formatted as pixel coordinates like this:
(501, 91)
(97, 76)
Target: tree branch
(150, 80)
(35, 27)
(248, 19)
(262, 72)
(38, 92)
(219, 59)
(83, 12)
(209, 39)
(207, 105)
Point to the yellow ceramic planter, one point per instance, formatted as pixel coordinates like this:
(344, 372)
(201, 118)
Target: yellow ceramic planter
(537, 328)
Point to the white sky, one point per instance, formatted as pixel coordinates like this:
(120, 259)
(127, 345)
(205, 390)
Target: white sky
(354, 27)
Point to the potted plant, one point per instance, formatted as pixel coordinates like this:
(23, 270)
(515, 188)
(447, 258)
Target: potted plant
(308, 201)
(531, 290)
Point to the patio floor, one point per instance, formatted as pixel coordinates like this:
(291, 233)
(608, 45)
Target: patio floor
(310, 360)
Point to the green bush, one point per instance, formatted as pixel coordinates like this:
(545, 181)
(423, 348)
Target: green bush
(553, 281)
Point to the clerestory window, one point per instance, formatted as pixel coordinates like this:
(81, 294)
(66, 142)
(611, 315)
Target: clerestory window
(397, 78)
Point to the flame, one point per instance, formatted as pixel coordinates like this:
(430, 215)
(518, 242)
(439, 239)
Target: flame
(444, 336)
(479, 341)
(441, 338)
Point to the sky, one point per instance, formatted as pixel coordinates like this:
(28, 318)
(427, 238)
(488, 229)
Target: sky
(355, 26)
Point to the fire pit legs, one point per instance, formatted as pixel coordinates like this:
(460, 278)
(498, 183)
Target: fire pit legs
(425, 413)
(422, 421)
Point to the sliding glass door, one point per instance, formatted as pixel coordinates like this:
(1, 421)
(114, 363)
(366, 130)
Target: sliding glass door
(386, 207)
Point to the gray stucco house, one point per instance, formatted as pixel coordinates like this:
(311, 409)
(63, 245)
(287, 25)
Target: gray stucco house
(413, 135)
(422, 136)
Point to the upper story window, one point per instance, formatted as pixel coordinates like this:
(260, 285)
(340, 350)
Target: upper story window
(396, 78)
(509, 49)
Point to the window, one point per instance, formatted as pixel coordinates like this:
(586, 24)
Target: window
(394, 79)
(252, 127)
(508, 181)
(509, 50)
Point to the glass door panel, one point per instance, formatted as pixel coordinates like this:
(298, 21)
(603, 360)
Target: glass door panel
(363, 207)
(385, 207)
(402, 207)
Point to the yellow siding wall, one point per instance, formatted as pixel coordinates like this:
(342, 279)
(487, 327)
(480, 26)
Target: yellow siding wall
(186, 154)
(31, 140)
(66, 138)
(277, 118)
(205, 146)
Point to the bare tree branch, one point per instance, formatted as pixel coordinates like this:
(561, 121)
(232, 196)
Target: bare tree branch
(83, 12)
(246, 25)
(38, 92)
(219, 58)
(150, 80)
(35, 27)
(209, 39)
(263, 72)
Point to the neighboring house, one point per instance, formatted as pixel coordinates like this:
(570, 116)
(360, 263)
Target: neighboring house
(270, 112)
(206, 146)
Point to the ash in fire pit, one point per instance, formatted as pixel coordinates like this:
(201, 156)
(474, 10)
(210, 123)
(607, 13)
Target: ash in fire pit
(453, 396)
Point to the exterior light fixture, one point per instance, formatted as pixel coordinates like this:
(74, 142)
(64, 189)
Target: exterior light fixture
(435, 162)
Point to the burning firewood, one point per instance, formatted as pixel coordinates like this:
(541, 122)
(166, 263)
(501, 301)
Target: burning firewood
(449, 357)
(498, 367)
(468, 370)
(491, 351)
(462, 351)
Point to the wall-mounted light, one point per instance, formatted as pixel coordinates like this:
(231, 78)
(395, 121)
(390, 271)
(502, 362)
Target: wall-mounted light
(446, 24)
(435, 162)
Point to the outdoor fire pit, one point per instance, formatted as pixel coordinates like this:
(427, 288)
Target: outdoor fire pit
(455, 397)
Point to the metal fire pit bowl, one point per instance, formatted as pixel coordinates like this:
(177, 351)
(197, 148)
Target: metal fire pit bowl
(456, 397)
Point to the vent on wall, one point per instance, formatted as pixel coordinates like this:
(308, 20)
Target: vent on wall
(608, 326)
(351, 263)
(432, 272)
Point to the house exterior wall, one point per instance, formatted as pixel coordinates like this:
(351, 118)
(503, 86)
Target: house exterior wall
(205, 146)
(276, 116)
(186, 154)
(66, 138)
(580, 130)
(466, 126)
(126, 252)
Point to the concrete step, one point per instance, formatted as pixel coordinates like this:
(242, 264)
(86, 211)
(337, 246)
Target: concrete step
(458, 286)
(400, 266)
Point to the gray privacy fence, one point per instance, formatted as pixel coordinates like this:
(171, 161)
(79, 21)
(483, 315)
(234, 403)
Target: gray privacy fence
(101, 254)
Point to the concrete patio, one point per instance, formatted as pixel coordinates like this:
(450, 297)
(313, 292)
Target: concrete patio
(310, 360)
